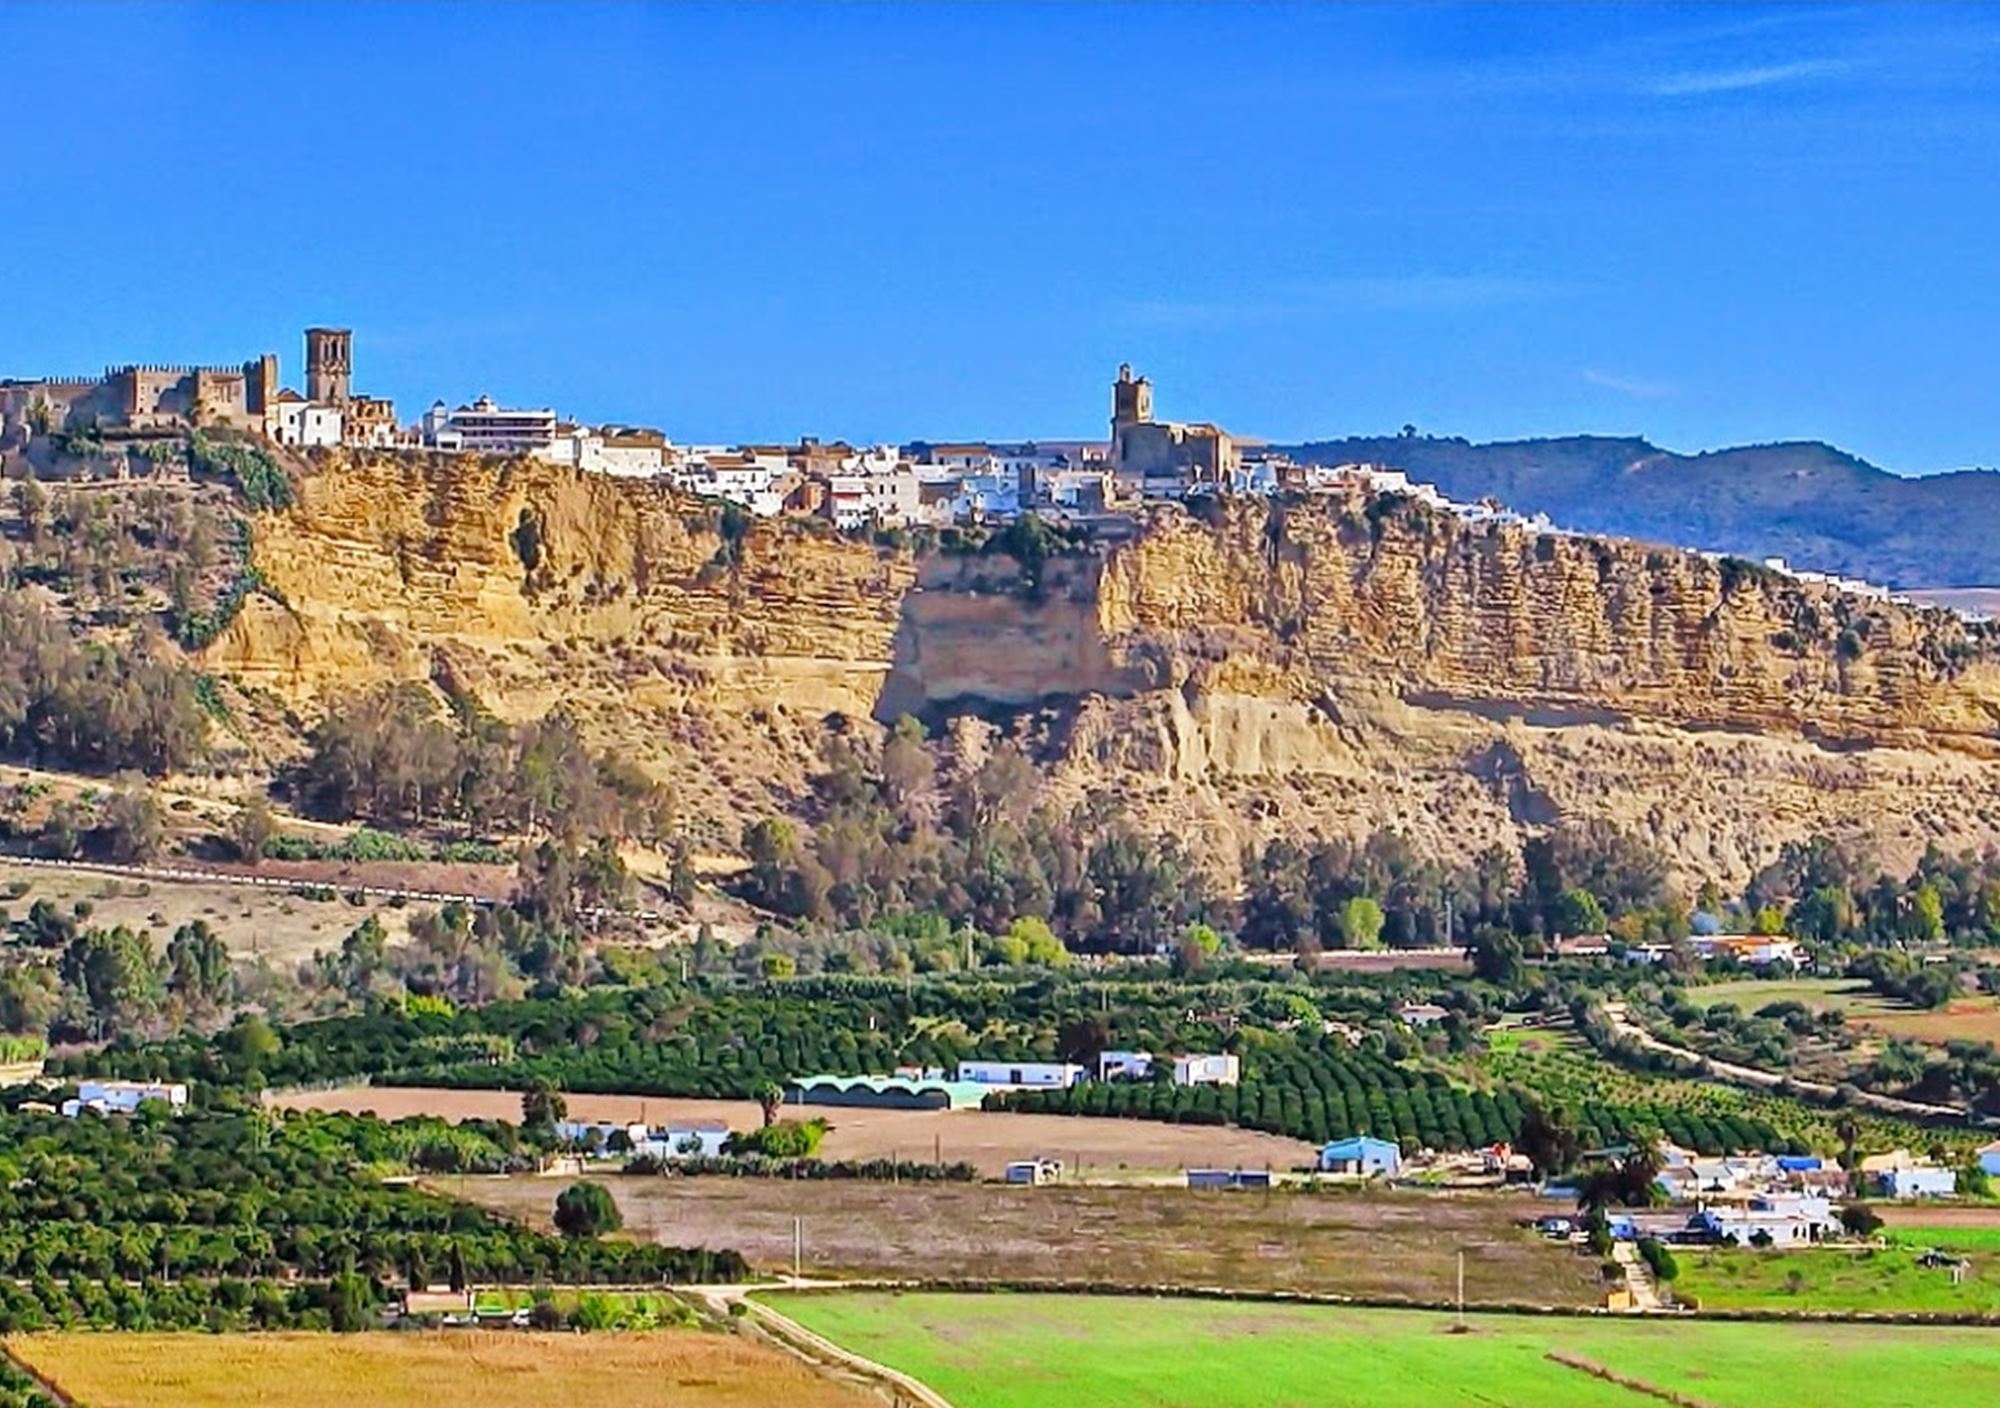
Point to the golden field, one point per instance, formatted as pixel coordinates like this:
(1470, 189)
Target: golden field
(494, 1369)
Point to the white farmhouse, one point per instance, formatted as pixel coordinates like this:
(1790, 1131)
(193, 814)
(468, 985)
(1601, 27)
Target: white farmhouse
(1124, 1065)
(1216, 1069)
(123, 1097)
(1021, 1075)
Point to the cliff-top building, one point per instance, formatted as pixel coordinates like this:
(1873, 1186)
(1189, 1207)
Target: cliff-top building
(147, 399)
(142, 399)
(1162, 459)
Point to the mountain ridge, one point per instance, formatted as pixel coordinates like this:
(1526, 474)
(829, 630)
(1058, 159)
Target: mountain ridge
(1812, 503)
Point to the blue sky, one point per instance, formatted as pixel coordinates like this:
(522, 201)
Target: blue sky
(1709, 225)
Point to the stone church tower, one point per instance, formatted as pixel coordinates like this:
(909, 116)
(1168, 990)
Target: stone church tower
(329, 365)
(1131, 401)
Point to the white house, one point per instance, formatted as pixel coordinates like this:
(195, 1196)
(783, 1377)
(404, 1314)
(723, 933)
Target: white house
(896, 498)
(1920, 1181)
(975, 459)
(702, 1139)
(294, 420)
(737, 478)
(1786, 1218)
(1899, 1174)
(1421, 1014)
(698, 1139)
(122, 1097)
(628, 454)
(1751, 950)
(1124, 1065)
(1217, 1069)
(1021, 1075)
(983, 496)
(484, 428)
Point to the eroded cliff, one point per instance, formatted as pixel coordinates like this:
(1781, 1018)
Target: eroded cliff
(1330, 664)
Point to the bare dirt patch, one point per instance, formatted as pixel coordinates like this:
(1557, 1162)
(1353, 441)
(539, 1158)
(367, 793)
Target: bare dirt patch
(1359, 1244)
(1088, 1147)
(254, 922)
(1933, 1214)
(1964, 1019)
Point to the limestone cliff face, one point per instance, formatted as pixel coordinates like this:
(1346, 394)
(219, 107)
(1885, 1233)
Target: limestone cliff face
(1323, 665)
(1358, 594)
(521, 573)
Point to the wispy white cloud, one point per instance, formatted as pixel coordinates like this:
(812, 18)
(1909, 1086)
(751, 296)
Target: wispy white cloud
(1629, 385)
(1393, 293)
(1696, 83)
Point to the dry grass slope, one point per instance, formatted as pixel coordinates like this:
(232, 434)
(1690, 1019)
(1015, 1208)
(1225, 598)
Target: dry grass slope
(1391, 1246)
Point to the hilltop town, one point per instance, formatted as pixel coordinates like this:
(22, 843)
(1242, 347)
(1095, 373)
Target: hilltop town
(1093, 484)
(924, 483)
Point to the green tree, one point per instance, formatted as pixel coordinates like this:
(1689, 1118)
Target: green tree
(350, 1304)
(1926, 916)
(249, 1042)
(114, 972)
(1578, 912)
(1496, 954)
(1361, 922)
(251, 828)
(1825, 915)
(1040, 941)
(1203, 937)
(1860, 1220)
(1547, 1141)
(587, 1210)
(542, 1108)
(198, 968)
(134, 827)
(770, 1097)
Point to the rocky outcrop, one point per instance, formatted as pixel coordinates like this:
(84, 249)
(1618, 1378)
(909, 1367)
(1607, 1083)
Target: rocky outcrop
(1325, 664)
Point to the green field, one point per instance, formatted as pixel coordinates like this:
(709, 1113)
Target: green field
(1841, 1278)
(1966, 1241)
(1025, 1351)
(1818, 994)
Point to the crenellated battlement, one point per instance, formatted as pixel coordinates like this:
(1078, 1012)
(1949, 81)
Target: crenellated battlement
(243, 395)
(176, 369)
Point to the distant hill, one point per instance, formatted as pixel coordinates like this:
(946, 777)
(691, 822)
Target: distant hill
(1807, 502)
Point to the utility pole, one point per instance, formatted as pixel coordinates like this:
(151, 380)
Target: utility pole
(1461, 1289)
(799, 1244)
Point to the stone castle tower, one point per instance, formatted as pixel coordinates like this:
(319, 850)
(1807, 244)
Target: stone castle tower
(1131, 401)
(329, 365)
